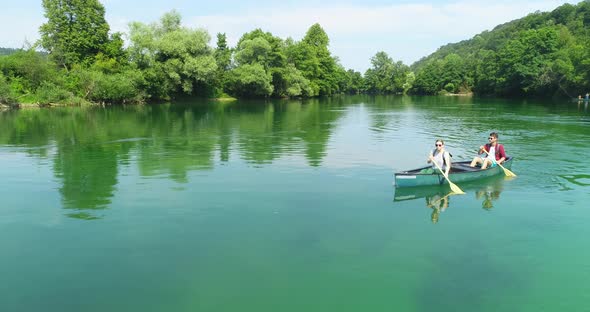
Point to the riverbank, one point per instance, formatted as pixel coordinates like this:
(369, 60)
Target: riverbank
(3, 106)
(459, 94)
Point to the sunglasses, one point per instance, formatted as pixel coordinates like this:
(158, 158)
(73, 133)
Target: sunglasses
(438, 144)
(490, 138)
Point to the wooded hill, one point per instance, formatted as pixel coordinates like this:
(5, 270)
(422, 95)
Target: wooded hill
(543, 54)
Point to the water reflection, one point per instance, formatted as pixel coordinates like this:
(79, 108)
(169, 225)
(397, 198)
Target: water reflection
(438, 204)
(583, 104)
(90, 149)
(439, 198)
(489, 193)
(89, 177)
(88, 146)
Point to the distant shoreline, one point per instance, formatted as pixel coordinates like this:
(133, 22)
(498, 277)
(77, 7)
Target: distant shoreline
(89, 104)
(459, 94)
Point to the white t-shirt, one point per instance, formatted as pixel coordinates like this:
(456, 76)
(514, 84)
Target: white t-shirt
(492, 154)
(439, 159)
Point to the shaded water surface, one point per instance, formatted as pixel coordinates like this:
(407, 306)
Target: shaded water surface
(289, 206)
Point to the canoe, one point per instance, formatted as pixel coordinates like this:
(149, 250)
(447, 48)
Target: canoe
(460, 172)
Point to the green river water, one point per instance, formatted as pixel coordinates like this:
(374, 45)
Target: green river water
(290, 206)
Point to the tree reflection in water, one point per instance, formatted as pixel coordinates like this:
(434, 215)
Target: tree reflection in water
(88, 146)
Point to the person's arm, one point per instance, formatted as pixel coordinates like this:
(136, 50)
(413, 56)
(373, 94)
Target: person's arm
(482, 149)
(448, 162)
(502, 154)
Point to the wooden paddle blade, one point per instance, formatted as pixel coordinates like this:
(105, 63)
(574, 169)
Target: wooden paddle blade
(455, 188)
(507, 172)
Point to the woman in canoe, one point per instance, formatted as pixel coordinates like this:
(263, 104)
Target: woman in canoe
(439, 156)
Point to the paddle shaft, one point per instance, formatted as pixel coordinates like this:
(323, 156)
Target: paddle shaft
(454, 187)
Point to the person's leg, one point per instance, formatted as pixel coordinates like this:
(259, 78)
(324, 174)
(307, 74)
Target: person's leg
(476, 160)
(427, 171)
(486, 163)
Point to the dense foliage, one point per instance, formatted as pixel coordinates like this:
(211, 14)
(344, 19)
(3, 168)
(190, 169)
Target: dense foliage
(543, 54)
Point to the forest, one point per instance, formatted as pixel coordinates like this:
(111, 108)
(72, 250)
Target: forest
(79, 61)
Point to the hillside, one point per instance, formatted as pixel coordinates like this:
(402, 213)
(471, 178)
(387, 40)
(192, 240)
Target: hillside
(7, 51)
(542, 54)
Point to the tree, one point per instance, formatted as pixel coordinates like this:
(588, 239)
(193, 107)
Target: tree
(222, 53)
(385, 75)
(313, 58)
(174, 59)
(523, 60)
(271, 53)
(254, 51)
(222, 57)
(75, 31)
(250, 80)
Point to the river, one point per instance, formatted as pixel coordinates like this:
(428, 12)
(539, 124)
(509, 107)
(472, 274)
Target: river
(290, 206)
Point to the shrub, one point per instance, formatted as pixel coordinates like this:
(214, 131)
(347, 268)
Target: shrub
(97, 86)
(450, 87)
(6, 94)
(49, 93)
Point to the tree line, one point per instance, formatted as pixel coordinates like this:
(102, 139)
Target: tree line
(543, 54)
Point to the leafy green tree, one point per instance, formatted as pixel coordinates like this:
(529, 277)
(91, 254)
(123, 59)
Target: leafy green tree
(354, 82)
(454, 76)
(222, 52)
(315, 61)
(28, 69)
(174, 59)
(222, 56)
(385, 75)
(76, 31)
(381, 74)
(428, 78)
(254, 51)
(524, 60)
(294, 84)
(250, 80)
(262, 48)
(409, 82)
(275, 56)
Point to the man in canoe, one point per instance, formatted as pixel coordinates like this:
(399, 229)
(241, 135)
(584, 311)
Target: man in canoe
(494, 151)
(440, 156)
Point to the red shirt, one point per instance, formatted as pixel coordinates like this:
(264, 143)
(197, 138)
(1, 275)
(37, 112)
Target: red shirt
(499, 150)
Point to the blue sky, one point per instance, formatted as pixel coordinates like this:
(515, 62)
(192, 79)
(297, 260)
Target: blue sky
(405, 30)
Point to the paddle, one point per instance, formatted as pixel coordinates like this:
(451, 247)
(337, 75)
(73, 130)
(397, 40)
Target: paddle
(454, 187)
(507, 172)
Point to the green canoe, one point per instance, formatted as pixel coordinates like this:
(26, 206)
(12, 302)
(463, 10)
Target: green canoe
(460, 172)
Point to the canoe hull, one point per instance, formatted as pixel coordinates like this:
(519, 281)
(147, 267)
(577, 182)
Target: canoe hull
(460, 172)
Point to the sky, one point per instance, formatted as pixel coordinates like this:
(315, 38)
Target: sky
(405, 30)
